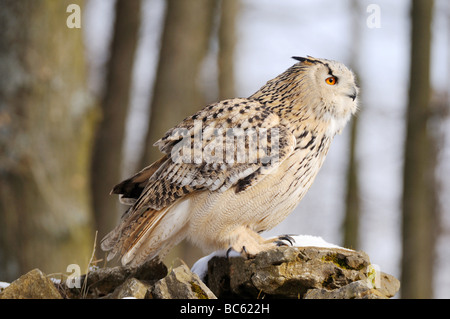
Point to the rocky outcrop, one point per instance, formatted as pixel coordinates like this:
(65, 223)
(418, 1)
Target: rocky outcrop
(118, 282)
(181, 283)
(284, 272)
(296, 272)
(32, 285)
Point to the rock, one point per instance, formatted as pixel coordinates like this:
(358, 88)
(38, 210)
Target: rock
(103, 281)
(181, 283)
(32, 285)
(131, 288)
(356, 290)
(291, 272)
(389, 285)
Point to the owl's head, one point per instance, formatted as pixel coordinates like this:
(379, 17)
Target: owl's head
(322, 88)
(331, 88)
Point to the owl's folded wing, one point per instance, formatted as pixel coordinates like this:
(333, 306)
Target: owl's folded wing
(232, 143)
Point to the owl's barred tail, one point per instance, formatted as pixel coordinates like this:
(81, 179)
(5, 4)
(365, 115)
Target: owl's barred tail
(137, 224)
(151, 234)
(126, 238)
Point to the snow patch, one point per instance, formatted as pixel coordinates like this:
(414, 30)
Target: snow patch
(312, 241)
(3, 285)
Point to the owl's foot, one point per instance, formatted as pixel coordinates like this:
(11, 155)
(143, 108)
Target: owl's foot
(248, 243)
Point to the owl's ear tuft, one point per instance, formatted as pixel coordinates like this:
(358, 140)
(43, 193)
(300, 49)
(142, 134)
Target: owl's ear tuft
(307, 60)
(298, 58)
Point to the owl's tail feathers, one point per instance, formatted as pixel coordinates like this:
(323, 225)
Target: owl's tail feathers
(149, 235)
(128, 235)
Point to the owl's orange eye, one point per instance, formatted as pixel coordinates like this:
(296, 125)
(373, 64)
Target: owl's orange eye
(331, 80)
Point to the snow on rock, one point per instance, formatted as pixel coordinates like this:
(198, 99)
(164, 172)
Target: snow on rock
(312, 241)
(3, 285)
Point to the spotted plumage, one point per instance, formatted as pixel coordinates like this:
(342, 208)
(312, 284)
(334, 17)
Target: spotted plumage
(237, 167)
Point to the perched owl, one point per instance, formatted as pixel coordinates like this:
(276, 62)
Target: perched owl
(237, 167)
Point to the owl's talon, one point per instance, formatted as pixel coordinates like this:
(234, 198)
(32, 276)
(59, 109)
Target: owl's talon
(287, 238)
(247, 254)
(280, 243)
(228, 252)
(283, 240)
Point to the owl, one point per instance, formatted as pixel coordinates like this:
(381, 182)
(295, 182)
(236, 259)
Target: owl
(235, 168)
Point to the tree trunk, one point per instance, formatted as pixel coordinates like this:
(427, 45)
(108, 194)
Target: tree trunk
(418, 202)
(176, 92)
(352, 199)
(227, 42)
(46, 126)
(107, 154)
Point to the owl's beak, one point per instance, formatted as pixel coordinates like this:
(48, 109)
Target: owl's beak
(354, 94)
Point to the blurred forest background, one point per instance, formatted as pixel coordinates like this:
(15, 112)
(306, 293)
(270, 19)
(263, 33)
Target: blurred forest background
(80, 108)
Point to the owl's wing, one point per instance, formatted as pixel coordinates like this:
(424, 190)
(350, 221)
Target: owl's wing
(232, 143)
